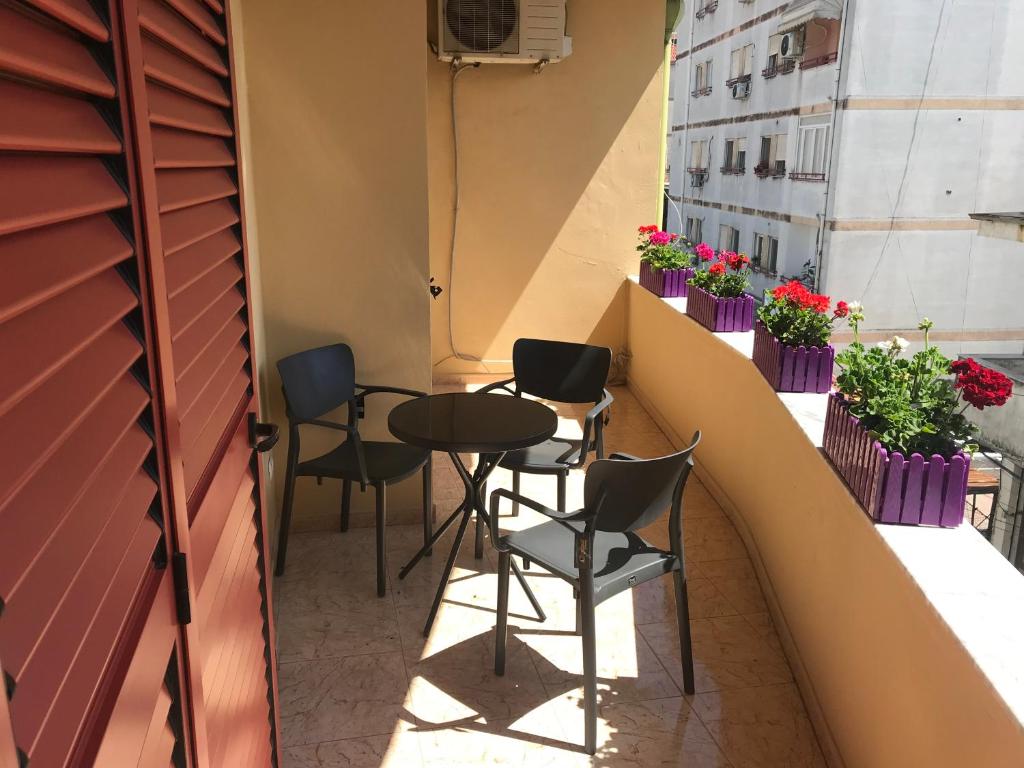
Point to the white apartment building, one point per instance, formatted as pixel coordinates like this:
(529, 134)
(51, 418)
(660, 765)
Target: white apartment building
(848, 143)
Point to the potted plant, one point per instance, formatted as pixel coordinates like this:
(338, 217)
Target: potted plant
(717, 299)
(791, 336)
(666, 262)
(896, 431)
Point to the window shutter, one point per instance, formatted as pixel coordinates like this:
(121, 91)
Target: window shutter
(81, 501)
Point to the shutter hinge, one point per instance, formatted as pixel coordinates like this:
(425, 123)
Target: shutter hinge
(179, 572)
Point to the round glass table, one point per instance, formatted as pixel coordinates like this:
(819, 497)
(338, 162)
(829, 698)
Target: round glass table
(466, 422)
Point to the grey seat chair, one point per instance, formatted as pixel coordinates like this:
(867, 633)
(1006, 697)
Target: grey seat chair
(597, 550)
(561, 372)
(316, 382)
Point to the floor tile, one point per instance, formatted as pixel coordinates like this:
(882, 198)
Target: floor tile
(341, 698)
(762, 727)
(399, 750)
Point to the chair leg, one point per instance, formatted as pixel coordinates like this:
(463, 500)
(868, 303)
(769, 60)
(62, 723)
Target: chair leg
(683, 617)
(478, 543)
(586, 608)
(501, 629)
(515, 490)
(346, 503)
(286, 517)
(382, 586)
(561, 491)
(428, 503)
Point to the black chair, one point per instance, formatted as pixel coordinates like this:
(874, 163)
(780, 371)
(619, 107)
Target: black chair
(597, 550)
(316, 382)
(562, 372)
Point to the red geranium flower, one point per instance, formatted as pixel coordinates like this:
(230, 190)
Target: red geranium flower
(981, 386)
(718, 268)
(647, 229)
(842, 309)
(705, 252)
(737, 261)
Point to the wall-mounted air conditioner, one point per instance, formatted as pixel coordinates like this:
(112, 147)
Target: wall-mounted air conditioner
(510, 31)
(792, 44)
(741, 90)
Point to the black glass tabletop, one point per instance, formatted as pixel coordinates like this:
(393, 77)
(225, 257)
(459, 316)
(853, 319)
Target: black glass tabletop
(467, 422)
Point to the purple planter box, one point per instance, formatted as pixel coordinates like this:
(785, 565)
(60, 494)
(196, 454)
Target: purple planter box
(792, 369)
(667, 283)
(891, 487)
(720, 315)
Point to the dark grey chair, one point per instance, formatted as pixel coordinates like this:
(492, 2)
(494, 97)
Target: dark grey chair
(316, 382)
(561, 372)
(597, 550)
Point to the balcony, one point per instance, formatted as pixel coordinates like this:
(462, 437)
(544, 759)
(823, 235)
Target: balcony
(730, 170)
(765, 170)
(698, 176)
(806, 176)
(819, 61)
(708, 7)
(697, 92)
(772, 70)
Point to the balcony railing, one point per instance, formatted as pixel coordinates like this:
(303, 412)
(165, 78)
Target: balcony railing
(734, 80)
(730, 170)
(819, 61)
(697, 176)
(804, 176)
(766, 171)
(787, 66)
(701, 91)
(708, 7)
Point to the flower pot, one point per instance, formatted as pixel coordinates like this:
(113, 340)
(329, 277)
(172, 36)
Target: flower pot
(667, 283)
(891, 487)
(792, 369)
(718, 314)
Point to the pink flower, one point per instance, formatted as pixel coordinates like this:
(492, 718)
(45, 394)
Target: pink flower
(660, 238)
(705, 252)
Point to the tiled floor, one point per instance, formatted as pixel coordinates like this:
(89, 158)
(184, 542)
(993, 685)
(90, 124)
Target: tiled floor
(361, 687)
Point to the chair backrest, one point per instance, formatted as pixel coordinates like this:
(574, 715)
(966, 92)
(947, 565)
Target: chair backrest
(560, 370)
(317, 381)
(635, 493)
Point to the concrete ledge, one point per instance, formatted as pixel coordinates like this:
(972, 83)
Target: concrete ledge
(906, 642)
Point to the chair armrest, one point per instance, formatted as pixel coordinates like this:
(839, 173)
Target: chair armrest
(353, 435)
(563, 518)
(325, 424)
(372, 389)
(588, 427)
(504, 384)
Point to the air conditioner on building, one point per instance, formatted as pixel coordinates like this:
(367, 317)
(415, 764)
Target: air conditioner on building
(741, 90)
(510, 31)
(792, 44)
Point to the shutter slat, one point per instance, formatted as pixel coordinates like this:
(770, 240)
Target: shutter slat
(29, 197)
(229, 613)
(165, 67)
(64, 567)
(41, 263)
(199, 335)
(176, 110)
(224, 560)
(39, 341)
(201, 18)
(190, 225)
(216, 5)
(211, 529)
(39, 52)
(190, 264)
(200, 410)
(42, 421)
(233, 731)
(160, 737)
(96, 645)
(179, 149)
(189, 305)
(197, 459)
(191, 385)
(167, 26)
(28, 518)
(78, 14)
(183, 188)
(47, 121)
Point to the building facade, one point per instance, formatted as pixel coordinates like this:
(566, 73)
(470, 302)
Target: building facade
(847, 143)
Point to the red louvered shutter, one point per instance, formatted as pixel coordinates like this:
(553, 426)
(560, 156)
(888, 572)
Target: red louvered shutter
(89, 642)
(183, 99)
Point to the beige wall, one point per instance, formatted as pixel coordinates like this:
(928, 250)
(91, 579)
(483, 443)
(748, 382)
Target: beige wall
(557, 171)
(896, 688)
(334, 127)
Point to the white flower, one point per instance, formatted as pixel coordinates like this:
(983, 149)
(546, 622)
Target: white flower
(894, 345)
(855, 307)
(886, 345)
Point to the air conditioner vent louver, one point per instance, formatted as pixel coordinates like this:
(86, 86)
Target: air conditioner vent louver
(482, 25)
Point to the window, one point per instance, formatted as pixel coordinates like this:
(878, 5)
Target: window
(766, 253)
(699, 151)
(693, 229)
(772, 159)
(735, 159)
(728, 238)
(702, 79)
(812, 150)
(741, 63)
